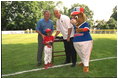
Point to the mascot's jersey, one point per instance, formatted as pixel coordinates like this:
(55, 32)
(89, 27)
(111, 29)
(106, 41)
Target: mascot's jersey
(82, 36)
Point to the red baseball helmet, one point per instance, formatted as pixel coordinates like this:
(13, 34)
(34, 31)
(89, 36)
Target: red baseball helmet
(77, 10)
(48, 30)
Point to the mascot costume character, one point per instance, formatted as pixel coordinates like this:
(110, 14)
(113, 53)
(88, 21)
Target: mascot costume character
(83, 42)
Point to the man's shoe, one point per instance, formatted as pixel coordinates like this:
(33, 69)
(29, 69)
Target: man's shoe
(38, 64)
(73, 65)
(65, 62)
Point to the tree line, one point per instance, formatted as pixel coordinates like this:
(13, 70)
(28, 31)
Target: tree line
(22, 15)
(110, 24)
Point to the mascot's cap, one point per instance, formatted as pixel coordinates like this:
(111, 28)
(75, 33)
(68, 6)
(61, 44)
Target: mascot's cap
(77, 10)
(48, 30)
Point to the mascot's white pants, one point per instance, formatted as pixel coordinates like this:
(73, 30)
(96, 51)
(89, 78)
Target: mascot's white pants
(84, 50)
(47, 54)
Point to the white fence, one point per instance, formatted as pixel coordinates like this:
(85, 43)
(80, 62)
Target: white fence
(19, 31)
(105, 31)
(13, 32)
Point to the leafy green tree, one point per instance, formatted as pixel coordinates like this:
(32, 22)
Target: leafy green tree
(114, 15)
(65, 11)
(4, 14)
(112, 23)
(101, 24)
(22, 15)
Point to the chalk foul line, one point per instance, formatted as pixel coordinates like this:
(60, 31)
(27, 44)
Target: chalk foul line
(38, 69)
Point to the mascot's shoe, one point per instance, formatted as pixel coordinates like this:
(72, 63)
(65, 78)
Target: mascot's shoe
(46, 66)
(85, 69)
(50, 64)
(81, 64)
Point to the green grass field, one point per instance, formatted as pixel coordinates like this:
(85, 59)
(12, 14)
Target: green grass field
(19, 53)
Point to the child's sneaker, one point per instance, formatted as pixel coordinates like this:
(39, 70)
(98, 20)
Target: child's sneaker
(85, 69)
(50, 64)
(46, 66)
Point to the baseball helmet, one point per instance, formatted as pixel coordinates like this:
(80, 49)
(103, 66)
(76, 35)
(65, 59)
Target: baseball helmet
(48, 30)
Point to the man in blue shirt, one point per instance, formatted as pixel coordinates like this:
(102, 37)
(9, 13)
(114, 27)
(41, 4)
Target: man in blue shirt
(42, 25)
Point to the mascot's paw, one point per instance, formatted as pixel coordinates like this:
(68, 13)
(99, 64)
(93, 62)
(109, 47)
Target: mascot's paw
(85, 69)
(79, 30)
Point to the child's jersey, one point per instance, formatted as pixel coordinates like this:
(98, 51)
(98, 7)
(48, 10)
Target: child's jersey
(82, 36)
(48, 39)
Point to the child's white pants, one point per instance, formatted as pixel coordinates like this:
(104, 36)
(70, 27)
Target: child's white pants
(84, 50)
(47, 54)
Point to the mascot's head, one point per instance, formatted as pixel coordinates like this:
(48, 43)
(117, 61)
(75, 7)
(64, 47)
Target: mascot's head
(78, 16)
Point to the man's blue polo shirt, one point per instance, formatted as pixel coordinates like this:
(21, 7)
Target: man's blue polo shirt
(42, 25)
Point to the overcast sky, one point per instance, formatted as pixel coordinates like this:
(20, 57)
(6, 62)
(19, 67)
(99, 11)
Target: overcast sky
(102, 9)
